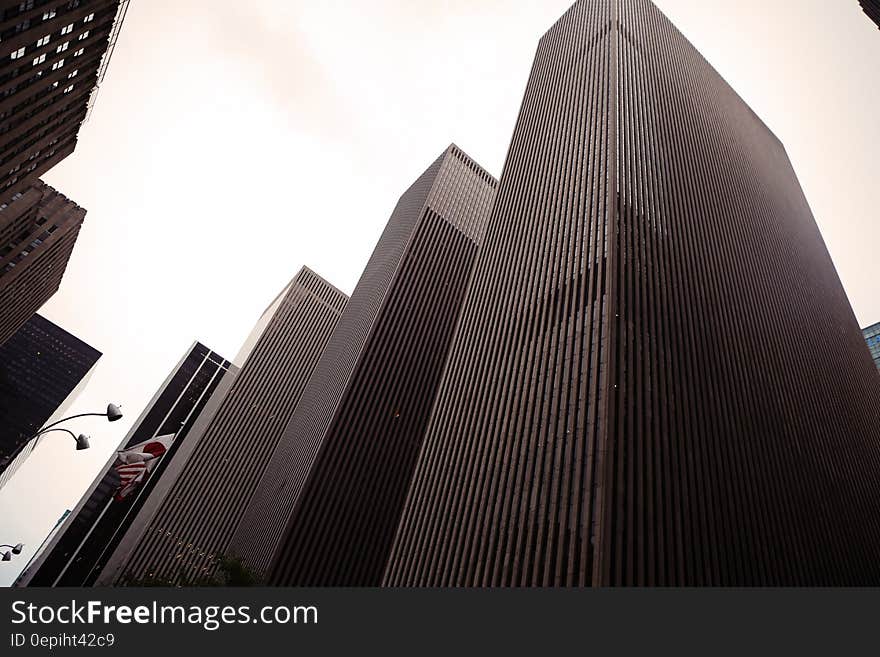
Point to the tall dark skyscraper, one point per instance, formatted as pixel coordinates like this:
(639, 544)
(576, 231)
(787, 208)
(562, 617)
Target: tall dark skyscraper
(872, 337)
(188, 522)
(51, 59)
(78, 550)
(342, 469)
(37, 234)
(630, 397)
(872, 9)
(42, 370)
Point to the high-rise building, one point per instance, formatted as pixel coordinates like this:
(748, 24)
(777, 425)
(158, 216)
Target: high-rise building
(631, 397)
(872, 9)
(185, 528)
(43, 368)
(330, 501)
(77, 551)
(51, 59)
(872, 336)
(37, 234)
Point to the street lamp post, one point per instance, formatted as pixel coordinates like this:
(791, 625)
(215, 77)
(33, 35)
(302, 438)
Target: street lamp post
(112, 414)
(7, 555)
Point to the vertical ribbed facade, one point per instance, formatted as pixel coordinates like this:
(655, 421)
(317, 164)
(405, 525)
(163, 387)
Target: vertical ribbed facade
(80, 547)
(336, 486)
(37, 234)
(188, 524)
(625, 401)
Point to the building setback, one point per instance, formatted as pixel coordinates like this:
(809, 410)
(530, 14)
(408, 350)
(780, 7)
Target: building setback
(42, 370)
(37, 234)
(872, 9)
(872, 337)
(51, 59)
(186, 527)
(77, 551)
(624, 402)
(337, 482)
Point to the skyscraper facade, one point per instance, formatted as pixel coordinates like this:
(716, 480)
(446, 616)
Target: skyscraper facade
(42, 370)
(78, 550)
(185, 528)
(624, 402)
(872, 337)
(51, 59)
(37, 234)
(872, 9)
(329, 503)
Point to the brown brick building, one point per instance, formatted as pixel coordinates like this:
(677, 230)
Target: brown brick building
(52, 56)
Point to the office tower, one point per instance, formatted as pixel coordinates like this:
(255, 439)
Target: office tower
(43, 368)
(78, 550)
(51, 58)
(341, 472)
(872, 9)
(872, 336)
(37, 234)
(184, 530)
(631, 397)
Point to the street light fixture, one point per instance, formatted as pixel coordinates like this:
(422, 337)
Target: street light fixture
(16, 549)
(82, 440)
(112, 414)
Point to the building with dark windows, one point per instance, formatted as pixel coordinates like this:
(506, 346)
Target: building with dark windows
(77, 551)
(184, 530)
(623, 402)
(37, 234)
(43, 368)
(872, 9)
(872, 336)
(51, 59)
(330, 500)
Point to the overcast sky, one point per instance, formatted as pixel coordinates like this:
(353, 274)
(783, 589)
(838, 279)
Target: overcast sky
(233, 142)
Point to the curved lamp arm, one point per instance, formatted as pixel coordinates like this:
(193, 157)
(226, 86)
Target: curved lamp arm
(82, 440)
(113, 413)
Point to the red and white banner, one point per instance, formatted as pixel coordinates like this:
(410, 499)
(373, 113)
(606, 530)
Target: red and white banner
(134, 463)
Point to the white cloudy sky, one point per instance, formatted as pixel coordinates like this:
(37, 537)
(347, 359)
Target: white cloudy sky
(234, 142)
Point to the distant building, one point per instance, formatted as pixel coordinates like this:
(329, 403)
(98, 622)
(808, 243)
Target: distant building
(37, 234)
(872, 336)
(52, 57)
(872, 9)
(78, 550)
(326, 510)
(42, 370)
(186, 526)
(25, 572)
